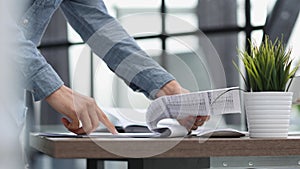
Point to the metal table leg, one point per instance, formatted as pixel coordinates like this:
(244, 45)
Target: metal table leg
(94, 164)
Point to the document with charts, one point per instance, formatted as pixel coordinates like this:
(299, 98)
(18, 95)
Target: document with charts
(202, 103)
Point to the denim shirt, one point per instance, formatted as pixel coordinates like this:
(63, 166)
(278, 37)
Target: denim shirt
(101, 32)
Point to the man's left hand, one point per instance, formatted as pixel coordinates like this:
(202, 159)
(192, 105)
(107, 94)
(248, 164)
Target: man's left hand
(190, 122)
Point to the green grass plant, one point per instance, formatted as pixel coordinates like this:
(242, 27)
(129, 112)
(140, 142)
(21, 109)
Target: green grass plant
(268, 66)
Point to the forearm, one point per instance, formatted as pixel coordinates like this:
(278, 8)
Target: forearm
(123, 56)
(115, 46)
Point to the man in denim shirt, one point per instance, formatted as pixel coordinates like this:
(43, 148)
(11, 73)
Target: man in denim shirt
(107, 39)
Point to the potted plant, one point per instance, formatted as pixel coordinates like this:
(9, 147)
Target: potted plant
(268, 77)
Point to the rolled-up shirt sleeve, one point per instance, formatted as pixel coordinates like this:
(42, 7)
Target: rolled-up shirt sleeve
(39, 77)
(115, 46)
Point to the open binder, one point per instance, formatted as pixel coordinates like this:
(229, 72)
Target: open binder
(146, 123)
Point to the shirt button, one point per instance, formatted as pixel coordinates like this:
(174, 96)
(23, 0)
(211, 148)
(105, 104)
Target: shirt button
(25, 21)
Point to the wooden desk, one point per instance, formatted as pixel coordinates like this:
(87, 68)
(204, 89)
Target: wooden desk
(183, 148)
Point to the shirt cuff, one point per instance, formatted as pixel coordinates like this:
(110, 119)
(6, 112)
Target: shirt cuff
(45, 82)
(150, 81)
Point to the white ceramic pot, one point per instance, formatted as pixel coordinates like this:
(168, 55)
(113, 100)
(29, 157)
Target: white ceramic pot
(268, 113)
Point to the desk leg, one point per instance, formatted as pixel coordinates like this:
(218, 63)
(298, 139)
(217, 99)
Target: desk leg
(137, 163)
(140, 163)
(178, 163)
(94, 164)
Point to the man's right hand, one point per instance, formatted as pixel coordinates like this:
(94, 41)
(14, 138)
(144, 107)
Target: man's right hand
(78, 108)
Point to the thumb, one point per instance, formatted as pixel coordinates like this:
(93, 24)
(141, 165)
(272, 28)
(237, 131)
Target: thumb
(71, 125)
(67, 124)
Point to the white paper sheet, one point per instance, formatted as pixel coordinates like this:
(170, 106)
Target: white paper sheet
(202, 103)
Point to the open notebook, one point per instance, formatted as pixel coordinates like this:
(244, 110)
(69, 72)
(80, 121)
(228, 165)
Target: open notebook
(162, 132)
(152, 122)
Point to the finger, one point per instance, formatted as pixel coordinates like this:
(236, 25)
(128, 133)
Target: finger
(203, 118)
(199, 123)
(194, 127)
(67, 123)
(184, 123)
(104, 120)
(70, 125)
(74, 123)
(192, 120)
(187, 122)
(94, 118)
(79, 131)
(86, 122)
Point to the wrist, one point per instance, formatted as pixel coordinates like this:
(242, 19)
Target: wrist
(171, 88)
(61, 94)
(56, 94)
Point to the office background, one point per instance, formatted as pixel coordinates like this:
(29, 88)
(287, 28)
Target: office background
(227, 23)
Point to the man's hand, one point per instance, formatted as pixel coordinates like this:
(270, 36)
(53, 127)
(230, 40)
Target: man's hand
(76, 108)
(191, 122)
